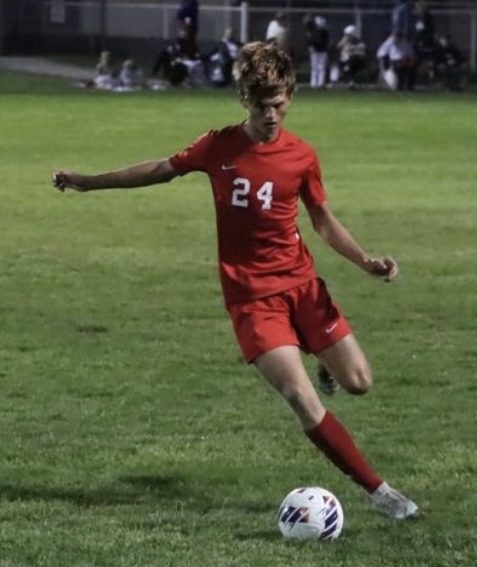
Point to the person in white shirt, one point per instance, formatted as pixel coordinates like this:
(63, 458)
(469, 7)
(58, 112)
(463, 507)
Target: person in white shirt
(397, 62)
(277, 30)
(104, 75)
(352, 54)
(131, 76)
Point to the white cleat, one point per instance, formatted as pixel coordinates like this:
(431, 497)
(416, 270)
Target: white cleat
(393, 503)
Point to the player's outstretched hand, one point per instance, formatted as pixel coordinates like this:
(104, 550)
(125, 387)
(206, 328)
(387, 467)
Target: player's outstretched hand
(386, 268)
(69, 180)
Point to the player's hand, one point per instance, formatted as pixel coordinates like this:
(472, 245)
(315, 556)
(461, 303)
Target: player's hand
(69, 180)
(386, 268)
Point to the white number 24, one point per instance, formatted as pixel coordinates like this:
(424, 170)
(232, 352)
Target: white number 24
(241, 191)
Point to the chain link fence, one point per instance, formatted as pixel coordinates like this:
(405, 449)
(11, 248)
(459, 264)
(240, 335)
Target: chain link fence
(140, 28)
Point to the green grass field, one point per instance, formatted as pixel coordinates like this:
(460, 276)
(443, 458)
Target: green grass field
(131, 433)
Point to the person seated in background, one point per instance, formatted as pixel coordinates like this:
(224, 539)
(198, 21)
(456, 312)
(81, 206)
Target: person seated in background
(397, 62)
(168, 67)
(450, 63)
(180, 62)
(352, 55)
(221, 60)
(104, 76)
(131, 76)
(189, 55)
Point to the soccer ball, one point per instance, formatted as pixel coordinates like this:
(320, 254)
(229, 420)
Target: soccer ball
(310, 513)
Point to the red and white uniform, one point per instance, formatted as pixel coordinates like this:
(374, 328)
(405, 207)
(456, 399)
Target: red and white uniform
(256, 188)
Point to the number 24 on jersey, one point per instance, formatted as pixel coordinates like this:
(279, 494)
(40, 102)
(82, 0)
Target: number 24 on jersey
(241, 193)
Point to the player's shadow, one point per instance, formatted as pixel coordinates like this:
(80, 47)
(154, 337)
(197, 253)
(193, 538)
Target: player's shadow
(140, 489)
(158, 486)
(126, 491)
(135, 489)
(199, 497)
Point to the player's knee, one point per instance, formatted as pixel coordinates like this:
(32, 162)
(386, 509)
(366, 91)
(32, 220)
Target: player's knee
(360, 381)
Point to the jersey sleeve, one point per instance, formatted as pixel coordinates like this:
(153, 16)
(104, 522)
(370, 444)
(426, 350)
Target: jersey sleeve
(194, 157)
(312, 191)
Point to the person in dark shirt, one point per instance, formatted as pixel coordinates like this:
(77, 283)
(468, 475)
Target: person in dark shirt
(220, 61)
(401, 17)
(424, 41)
(188, 17)
(450, 63)
(317, 38)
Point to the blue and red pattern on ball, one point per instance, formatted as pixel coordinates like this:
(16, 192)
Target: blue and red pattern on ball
(331, 517)
(292, 515)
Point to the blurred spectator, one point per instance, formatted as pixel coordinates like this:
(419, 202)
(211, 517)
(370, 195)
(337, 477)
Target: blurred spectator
(277, 29)
(174, 62)
(401, 17)
(317, 38)
(131, 77)
(450, 63)
(188, 54)
(231, 44)
(188, 19)
(187, 45)
(180, 61)
(424, 39)
(169, 66)
(220, 61)
(352, 55)
(397, 62)
(424, 26)
(104, 76)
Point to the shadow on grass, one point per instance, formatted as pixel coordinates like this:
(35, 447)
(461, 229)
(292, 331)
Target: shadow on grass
(92, 329)
(136, 489)
(165, 486)
(124, 492)
(259, 535)
(200, 497)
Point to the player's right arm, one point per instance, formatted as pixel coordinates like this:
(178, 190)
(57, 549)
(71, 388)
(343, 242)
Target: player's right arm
(334, 232)
(138, 175)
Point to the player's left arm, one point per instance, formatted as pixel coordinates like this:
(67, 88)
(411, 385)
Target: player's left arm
(336, 235)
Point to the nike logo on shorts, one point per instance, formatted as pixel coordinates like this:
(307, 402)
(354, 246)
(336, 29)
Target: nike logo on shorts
(331, 328)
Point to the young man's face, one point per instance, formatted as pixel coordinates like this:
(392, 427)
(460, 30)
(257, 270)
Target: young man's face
(266, 115)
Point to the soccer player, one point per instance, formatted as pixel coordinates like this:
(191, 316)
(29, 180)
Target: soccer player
(277, 303)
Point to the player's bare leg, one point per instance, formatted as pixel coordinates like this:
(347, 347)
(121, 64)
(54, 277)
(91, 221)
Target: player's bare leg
(283, 368)
(347, 364)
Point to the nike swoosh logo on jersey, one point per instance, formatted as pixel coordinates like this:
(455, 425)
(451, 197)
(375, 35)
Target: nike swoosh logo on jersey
(226, 167)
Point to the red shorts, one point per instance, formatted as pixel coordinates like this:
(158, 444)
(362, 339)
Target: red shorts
(304, 316)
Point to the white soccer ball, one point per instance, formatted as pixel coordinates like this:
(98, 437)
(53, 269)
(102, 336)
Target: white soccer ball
(310, 513)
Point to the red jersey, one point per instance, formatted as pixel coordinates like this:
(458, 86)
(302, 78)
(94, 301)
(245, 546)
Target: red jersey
(256, 188)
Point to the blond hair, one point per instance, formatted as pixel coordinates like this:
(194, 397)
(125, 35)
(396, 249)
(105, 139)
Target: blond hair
(262, 70)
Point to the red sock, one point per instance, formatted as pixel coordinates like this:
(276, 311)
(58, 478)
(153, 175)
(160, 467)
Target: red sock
(331, 437)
